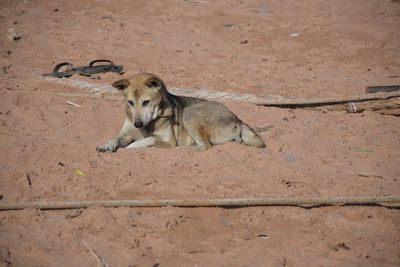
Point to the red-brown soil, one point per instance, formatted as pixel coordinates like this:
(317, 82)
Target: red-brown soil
(235, 46)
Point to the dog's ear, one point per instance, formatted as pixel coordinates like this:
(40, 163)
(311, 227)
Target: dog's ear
(154, 83)
(121, 84)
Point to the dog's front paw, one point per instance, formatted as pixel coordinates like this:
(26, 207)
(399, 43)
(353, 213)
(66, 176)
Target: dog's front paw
(112, 146)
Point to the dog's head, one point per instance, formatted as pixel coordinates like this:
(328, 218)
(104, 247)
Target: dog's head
(144, 94)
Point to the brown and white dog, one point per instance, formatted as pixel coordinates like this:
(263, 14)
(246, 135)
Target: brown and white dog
(158, 118)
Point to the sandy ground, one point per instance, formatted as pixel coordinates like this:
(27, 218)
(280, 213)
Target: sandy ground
(235, 46)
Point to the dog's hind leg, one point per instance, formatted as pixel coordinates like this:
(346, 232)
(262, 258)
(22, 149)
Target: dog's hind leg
(199, 135)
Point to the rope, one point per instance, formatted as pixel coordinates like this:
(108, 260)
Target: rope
(279, 101)
(239, 202)
(269, 100)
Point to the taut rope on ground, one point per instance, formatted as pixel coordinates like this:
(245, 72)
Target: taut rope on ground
(384, 100)
(391, 201)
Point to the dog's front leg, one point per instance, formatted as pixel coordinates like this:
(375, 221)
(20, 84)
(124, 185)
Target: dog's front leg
(114, 143)
(127, 134)
(146, 142)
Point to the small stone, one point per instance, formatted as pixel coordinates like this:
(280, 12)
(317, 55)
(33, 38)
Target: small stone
(12, 35)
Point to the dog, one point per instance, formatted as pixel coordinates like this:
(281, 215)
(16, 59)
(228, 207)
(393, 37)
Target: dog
(155, 117)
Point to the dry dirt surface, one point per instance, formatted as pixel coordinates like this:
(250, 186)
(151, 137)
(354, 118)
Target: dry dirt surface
(311, 48)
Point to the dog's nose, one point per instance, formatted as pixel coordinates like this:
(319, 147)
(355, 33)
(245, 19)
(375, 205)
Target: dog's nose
(138, 124)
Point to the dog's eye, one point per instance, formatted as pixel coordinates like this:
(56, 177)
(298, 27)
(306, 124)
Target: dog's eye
(130, 102)
(146, 102)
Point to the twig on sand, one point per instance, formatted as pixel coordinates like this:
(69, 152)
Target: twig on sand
(29, 180)
(100, 261)
(73, 104)
(369, 175)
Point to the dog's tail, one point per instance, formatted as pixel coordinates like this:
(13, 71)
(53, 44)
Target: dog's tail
(250, 138)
